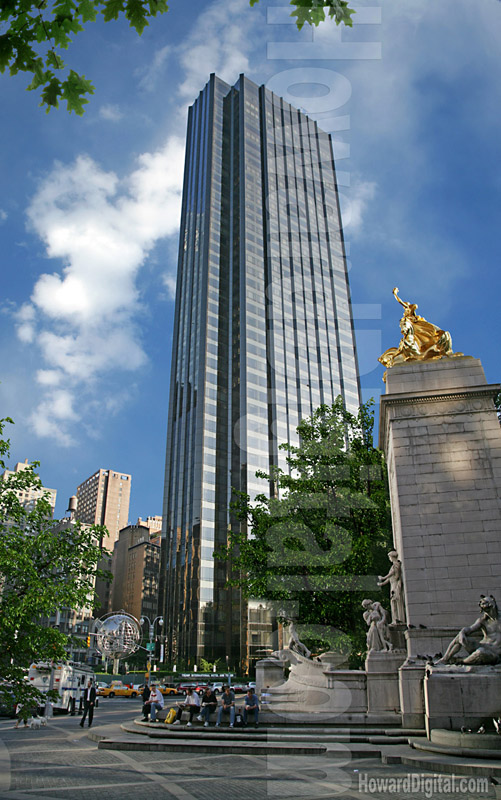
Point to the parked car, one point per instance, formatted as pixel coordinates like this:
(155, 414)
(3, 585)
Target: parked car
(217, 687)
(201, 687)
(251, 685)
(182, 688)
(239, 688)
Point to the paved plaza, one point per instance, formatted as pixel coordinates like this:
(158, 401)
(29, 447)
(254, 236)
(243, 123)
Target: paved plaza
(61, 762)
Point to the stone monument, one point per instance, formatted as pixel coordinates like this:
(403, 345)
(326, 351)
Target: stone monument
(442, 440)
(441, 437)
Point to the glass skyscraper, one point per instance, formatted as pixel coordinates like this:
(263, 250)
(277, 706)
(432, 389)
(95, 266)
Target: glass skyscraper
(263, 335)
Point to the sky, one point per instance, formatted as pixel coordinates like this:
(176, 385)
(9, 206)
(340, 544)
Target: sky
(90, 207)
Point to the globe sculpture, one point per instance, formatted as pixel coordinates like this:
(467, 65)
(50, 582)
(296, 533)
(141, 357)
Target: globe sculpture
(117, 635)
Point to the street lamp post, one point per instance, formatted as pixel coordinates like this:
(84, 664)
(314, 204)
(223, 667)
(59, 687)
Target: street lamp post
(150, 647)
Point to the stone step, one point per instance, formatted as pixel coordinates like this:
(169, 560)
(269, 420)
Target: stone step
(457, 750)
(290, 716)
(451, 765)
(345, 736)
(215, 747)
(292, 729)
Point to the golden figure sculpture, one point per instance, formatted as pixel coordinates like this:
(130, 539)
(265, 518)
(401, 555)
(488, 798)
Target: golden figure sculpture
(421, 340)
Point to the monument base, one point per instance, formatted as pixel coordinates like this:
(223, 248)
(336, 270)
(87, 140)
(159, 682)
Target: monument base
(382, 681)
(461, 696)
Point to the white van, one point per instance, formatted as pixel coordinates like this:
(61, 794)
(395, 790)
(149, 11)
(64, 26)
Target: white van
(68, 678)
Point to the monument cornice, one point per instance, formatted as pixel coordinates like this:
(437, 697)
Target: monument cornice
(433, 396)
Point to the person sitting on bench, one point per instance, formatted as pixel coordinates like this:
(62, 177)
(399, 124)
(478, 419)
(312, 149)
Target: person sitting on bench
(251, 706)
(209, 704)
(227, 707)
(156, 702)
(191, 704)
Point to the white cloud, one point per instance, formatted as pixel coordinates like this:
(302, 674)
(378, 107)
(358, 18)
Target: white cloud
(102, 228)
(111, 113)
(354, 204)
(25, 319)
(49, 377)
(169, 281)
(152, 71)
(3, 215)
(220, 42)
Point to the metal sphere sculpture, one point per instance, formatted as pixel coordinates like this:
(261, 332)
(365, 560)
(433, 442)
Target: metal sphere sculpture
(117, 635)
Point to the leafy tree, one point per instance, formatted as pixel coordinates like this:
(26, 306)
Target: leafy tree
(34, 32)
(307, 549)
(315, 11)
(208, 666)
(41, 570)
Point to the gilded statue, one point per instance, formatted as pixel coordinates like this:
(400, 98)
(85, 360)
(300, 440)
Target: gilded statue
(421, 340)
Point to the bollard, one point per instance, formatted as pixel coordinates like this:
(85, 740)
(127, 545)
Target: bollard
(73, 704)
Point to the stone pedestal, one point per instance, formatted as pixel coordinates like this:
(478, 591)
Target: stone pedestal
(457, 696)
(442, 440)
(382, 681)
(411, 678)
(269, 672)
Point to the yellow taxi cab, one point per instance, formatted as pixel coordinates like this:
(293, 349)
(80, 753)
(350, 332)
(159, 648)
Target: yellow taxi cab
(117, 689)
(168, 690)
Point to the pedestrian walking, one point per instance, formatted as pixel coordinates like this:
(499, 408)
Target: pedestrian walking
(89, 703)
(145, 694)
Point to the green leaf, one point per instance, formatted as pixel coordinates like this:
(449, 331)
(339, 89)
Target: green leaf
(136, 14)
(74, 89)
(313, 12)
(51, 94)
(157, 7)
(6, 51)
(112, 9)
(87, 10)
(53, 60)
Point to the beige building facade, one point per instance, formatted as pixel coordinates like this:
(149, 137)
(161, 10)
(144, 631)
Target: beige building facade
(103, 499)
(29, 496)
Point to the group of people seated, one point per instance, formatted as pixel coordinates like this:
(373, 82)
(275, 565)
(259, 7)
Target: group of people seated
(203, 707)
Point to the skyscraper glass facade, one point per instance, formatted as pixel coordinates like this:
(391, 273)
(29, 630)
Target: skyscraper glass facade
(263, 335)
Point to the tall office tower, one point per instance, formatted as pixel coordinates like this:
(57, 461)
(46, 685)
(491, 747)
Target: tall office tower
(263, 335)
(103, 499)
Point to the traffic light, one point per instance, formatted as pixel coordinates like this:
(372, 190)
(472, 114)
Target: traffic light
(88, 641)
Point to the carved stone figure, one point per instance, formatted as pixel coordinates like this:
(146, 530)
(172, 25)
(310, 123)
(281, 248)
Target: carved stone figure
(378, 635)
(394, 578)
(295, 644)
(421, 340)
(488, 650)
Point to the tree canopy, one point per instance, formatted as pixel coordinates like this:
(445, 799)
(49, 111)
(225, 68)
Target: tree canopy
(314, 12)
(41, 570)
(33, 34)
(315, 549)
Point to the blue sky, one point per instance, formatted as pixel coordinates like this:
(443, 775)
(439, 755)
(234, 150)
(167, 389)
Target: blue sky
(89, 208)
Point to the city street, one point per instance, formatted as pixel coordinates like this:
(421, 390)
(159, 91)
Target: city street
(61, 762)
